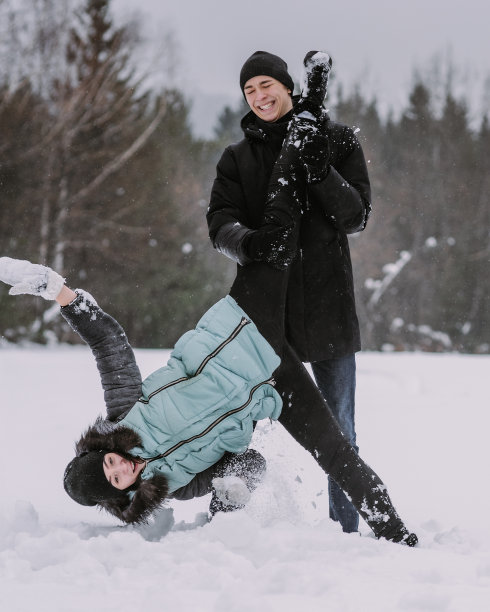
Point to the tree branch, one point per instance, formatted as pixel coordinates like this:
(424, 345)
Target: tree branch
(117, 163)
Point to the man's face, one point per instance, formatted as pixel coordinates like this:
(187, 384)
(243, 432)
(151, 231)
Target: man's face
(267, 97)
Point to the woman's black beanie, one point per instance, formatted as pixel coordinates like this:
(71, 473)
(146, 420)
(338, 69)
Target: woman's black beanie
(85, 481)
(262, 62)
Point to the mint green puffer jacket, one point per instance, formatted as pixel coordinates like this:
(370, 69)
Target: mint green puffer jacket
(204, 401)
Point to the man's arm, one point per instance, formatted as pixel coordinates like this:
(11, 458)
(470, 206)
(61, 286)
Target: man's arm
(228, 229)
(345, 194)
(227, 222)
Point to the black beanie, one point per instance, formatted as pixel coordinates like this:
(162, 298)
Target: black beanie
(268, 64)
(85, 481)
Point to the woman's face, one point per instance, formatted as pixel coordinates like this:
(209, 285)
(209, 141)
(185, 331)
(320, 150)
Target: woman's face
(121, 472)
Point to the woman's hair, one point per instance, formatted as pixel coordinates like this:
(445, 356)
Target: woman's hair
(132, 505)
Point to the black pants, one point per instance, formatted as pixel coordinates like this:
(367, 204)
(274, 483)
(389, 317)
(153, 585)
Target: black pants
(261, 291)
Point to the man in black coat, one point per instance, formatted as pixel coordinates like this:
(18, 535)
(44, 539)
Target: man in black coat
(321, 320)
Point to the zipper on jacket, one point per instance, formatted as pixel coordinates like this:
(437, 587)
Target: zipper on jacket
(244, 321)
(230, 338)
(210, 427)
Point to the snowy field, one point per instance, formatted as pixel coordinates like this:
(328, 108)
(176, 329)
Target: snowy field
(423, 423)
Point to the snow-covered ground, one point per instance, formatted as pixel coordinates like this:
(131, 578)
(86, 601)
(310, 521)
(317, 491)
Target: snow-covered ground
(423, 423)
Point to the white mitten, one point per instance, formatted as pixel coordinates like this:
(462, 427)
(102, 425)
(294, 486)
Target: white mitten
(34, 279)
(231, 490)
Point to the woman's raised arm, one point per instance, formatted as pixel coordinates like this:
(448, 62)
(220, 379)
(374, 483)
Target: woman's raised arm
(119, 373)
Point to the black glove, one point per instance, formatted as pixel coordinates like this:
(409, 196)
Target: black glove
(317, 66)
(306, 147)
(311, 118)
(314, 151)
(231, 241)
(271, 243)
(276, 245)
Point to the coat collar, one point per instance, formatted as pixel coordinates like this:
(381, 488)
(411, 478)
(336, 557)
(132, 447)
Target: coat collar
(258, 130)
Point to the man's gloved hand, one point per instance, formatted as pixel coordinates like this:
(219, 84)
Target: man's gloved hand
(317, 67)
(29, 278)
(307, 146)
(310, 118)
(315, 154)
(273, 244)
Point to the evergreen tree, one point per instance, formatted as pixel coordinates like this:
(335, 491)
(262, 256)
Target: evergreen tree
(227, 129)
(419, 264)
(96, 122)
(165, 274)
(23, 116)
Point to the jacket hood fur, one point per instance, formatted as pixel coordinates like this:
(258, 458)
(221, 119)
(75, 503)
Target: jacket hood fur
(149, 494)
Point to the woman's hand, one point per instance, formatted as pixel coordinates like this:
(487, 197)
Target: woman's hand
(33, 279)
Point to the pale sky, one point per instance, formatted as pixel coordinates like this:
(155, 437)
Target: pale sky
(378, 43)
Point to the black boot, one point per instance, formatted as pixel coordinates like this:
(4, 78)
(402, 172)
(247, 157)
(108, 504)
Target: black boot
(369, 495)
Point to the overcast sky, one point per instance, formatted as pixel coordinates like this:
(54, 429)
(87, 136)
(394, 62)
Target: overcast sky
(378, 43)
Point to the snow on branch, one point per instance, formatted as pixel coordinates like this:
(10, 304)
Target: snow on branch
(391, 270)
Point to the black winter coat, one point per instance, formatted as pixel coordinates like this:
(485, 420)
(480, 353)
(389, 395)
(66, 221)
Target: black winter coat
(321, 319)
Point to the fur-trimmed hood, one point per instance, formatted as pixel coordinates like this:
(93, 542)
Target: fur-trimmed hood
(146, 496)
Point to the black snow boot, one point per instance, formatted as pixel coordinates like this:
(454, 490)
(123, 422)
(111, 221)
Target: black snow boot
(369, 495)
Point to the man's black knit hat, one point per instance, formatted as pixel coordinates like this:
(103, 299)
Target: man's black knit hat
(85, 481)
(262, 62)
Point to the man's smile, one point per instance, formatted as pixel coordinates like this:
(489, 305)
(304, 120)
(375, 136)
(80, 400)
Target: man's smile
(266, 106)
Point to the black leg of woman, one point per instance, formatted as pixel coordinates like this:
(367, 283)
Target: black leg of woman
(306, 415)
